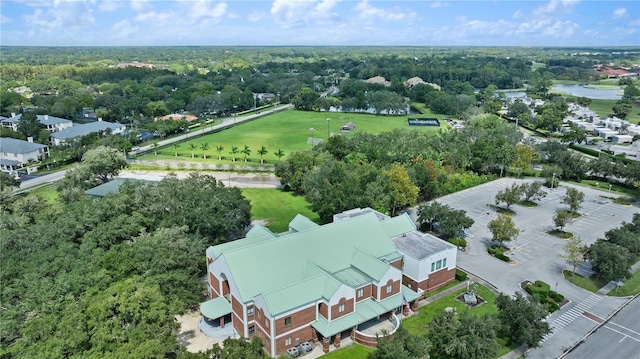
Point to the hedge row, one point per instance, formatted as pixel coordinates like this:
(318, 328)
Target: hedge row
(461, 275)
(459, 242)
(498, 252)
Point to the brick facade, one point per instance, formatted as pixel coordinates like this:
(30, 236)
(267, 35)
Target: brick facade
(395, 288)
(434, 281)
(215, 286)
(366, 293)
(301, 335)
(348, 308)
(397, 264)
(323, 309)
(298, 319)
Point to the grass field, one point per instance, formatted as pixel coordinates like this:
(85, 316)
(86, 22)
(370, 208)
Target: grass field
(354, 351)
(630, 287)
(588, 283)
(47, 192)
(289, 131)
(277, 207)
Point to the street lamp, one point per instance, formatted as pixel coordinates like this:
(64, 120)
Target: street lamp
(328, 128)
(312, 130)
(553, 179)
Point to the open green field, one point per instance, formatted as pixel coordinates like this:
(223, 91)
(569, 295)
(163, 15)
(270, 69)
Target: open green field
(46, 192)
(604, 109)
(353, 351)
(277, 207)
(630, 287)
(289, 131)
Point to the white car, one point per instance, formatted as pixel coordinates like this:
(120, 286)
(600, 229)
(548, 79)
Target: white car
(135, 148)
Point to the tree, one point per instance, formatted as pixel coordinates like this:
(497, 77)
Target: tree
(29, 125)
(234, 151)
(533, 191)
(432, 213)
(104, 162)
(631, 93)
(574, 253)
(622, 108)
(574, 199)
(155, 148)
(464, 336)
(561, 218)
(219, 148)
(503, 229)
(204, 147)
(609, 261)
(279, 153)
(8, 181)
(523, 157)
(455, 222)
(175, 147)
(262, 151)
(246, 151)
(522, 321)
(403, 191)
(403, 345)
(509, 195)
(306, 99)
(574, 135)
(193, 148)
(583, 101)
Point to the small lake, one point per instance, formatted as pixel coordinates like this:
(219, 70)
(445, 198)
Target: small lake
(581, 91)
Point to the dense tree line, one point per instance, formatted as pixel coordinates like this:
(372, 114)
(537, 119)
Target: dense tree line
(611, 258)
(105, 277)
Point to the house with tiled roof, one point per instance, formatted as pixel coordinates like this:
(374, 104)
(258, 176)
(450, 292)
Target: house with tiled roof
(15, 154)
(321, 283)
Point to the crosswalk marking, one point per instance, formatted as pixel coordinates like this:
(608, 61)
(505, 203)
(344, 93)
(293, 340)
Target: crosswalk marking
(570, 315)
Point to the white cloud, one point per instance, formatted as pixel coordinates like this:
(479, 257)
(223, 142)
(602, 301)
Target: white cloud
(108, 6)
(140, 5)
(437, 4)
(556, 6)
(61, 16)
(294, 13)
(517, 14)
(200, 9)
(369, 12)
(153, 16)
(123, 29)
(4, 19)
(619, 13)
(256, 16)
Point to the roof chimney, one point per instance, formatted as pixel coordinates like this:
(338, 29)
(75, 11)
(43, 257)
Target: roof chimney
(46, 117)
(13, 114)
(30, 139)
(99, 118)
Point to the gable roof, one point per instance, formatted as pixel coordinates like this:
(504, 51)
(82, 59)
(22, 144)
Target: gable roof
(51, 120)
(113, 186)
(78, 130)
(265, 266)
(13, 145)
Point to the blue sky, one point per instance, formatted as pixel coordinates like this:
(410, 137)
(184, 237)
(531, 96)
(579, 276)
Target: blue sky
(319, 22)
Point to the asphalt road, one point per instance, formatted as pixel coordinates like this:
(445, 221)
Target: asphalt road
(43, 179)
(616, 338)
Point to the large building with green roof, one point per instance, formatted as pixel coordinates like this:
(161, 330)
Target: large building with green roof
(320, 283)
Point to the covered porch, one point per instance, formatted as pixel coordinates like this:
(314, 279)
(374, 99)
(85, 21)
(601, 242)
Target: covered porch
(216, 318)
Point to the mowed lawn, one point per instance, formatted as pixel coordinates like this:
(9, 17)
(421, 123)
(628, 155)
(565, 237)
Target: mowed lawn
(353, 351)
(277, 207)
(289, 131)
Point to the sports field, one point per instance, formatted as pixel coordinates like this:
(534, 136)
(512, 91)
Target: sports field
(289, 131)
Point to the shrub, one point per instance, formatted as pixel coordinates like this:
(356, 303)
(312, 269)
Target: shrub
(552, 307)
(557, 297)
(458, 241)
(502, 257)
(461, 275)
(539, 287)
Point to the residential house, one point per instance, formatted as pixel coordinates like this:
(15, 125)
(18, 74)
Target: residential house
(51, 123)
(418, 81)
(177, 117)
(15, 154)
(79, 130)
(378, 80)
(323, 283)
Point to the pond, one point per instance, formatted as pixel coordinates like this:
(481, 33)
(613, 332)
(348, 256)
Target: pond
(581, 91)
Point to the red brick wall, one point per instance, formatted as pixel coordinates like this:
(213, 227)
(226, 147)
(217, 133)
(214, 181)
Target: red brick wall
(215, 285)
(395, 289)
(323, 309)
(250, 317)
(303, 335)
(366, 294)
(225, 287)
(236, 306)
(435, 280)
(348, 308)
(298, 319)
(374, 291)
(397, 264)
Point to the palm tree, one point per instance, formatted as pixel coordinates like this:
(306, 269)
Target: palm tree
(204, 147)
(219, 149)
(279, 153)
(262, 151)
(192, 147)
(246, 152)
(234, 150)
(155, 147)
(175, 148)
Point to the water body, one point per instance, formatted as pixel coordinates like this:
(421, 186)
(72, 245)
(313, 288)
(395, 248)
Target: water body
(516, 94)
(581, 91)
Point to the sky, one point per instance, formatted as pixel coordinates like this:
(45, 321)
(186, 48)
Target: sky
(319, 23)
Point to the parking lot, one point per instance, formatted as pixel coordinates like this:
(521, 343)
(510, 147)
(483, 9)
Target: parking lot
(534, 253)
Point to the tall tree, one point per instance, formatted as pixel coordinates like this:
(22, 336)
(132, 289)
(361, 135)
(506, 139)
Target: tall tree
(464, 336)
(609, 260)
(523, 157)
(573, 198)
(532, 191)
(403, 191)
(561, 218)
(503, 229)
(262, 151)
(219, 148)
(403, 345)
(574, 253)
(234, 152)
(104, 162)
(522, 321)
(509, 195)
(246, 151)
(204, 147)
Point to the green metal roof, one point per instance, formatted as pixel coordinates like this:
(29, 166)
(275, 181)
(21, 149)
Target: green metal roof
(353, 277)
(409, 294)
(301, 293)
(398, 225)
(113, 186)
(368, 264)
(301, 223)
(365, 310)
(215, 308)
(267, 266)
(257, 234)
